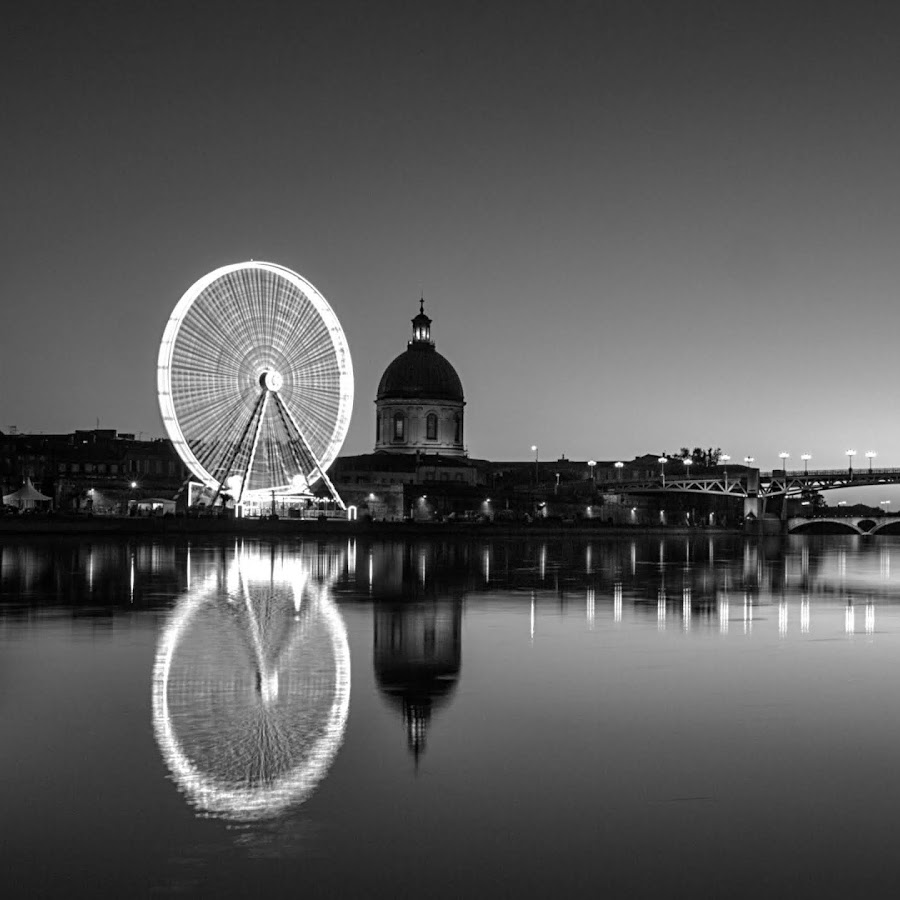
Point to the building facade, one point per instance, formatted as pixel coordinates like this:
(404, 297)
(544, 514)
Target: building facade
(97, 470)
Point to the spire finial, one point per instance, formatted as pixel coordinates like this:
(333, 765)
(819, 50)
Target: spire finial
(422, 304)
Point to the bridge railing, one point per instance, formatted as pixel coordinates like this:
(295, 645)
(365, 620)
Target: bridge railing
(864, 471)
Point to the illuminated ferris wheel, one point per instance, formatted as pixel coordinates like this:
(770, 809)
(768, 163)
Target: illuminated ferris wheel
(255, 382)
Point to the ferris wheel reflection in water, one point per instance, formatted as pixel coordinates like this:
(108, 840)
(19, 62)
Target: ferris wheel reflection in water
(251, 684)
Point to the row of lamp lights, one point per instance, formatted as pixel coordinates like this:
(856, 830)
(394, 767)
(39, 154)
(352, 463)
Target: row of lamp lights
(784, 456)
(133, 485)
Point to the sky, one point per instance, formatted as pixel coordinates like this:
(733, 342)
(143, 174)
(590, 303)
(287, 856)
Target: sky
(636, 225)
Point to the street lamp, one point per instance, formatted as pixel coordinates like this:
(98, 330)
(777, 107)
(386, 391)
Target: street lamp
(870, 455)
(619, 466)
(806, 457)
(662, 468)
(884, 503)
(591, 464)
(749, 460)
(556, 488)
(534, 450)
(784, 456)
(723, 459)
(850, 454)
(688, 462)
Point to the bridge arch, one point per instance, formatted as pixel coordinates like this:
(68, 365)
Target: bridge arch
(828, 526)
(887, 528)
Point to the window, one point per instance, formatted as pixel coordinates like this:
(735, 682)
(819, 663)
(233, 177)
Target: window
(457, 428)
(377, 428)
(431, 427)
(399, 427)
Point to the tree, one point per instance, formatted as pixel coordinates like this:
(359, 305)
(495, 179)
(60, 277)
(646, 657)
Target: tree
(702, 459)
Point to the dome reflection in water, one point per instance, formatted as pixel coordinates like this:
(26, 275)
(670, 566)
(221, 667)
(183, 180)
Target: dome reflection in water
(417, 637)
(251, 685)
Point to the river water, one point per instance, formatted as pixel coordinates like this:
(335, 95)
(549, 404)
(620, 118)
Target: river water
(683, 716)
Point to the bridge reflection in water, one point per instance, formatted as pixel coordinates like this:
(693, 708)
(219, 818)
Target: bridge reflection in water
(251, 686)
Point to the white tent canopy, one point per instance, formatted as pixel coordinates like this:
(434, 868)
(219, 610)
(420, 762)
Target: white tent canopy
(26, 496)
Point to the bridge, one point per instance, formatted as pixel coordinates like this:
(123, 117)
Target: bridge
(849, 524)
(753, 486)
(752, 482)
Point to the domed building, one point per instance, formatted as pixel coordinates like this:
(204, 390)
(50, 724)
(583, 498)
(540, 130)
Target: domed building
(419, 404)
(420, 467)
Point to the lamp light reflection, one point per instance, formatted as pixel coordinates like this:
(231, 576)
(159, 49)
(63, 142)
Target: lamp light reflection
(849, 618)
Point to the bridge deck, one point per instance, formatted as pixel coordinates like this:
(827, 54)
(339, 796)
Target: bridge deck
(771, 484)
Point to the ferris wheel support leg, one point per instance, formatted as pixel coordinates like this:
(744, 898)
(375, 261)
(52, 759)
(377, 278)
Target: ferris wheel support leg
(256, 433)
(334, 494)
(240, 443)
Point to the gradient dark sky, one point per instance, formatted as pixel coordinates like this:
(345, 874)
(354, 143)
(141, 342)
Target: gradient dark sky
(636, 224)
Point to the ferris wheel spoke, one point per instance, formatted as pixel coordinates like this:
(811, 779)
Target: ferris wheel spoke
(203, 338)
(209, 421)
(317, 428)
(309, 343)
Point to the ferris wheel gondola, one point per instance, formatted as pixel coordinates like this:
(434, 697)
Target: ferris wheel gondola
(255, 382)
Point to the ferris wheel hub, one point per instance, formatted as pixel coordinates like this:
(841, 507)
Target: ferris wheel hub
(271, 380)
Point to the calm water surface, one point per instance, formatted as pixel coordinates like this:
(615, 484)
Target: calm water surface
(648, 717)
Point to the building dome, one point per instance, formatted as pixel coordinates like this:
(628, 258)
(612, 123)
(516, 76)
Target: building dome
(419, 373)
(419, 403)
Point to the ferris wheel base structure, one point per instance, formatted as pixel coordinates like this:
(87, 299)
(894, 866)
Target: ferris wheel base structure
(289, 504)
(255, 386)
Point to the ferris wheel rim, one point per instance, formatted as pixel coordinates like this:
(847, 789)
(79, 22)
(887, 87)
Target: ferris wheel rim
(168, 344)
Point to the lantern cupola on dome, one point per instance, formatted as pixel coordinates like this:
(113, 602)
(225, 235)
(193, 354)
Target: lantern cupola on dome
(421, 327)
